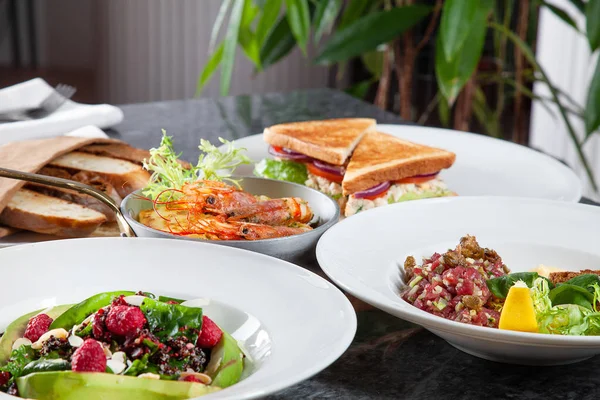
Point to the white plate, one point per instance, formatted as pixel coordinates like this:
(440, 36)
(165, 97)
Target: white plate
(362, 255)
(484, 166)
(292, 322)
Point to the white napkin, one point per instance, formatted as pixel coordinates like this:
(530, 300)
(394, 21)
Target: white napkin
(68, 117)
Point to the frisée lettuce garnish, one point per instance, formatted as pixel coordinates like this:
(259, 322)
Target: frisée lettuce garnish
(169, 173)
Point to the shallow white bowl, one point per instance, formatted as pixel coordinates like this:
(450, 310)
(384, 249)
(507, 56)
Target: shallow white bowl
(362, 254)
(292, 322)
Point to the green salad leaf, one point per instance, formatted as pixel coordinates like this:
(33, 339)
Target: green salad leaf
(501, 285)
(19, 358)
(572, 294)
(585, 281)
(169, 173)
(172, 320)
(282, 170)
(138, 366)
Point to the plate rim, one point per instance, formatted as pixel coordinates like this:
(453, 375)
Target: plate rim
(403, 310)
(343, 342)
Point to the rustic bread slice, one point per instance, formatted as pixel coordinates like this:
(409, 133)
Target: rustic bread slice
(380, 157)
(563, 276)
(37, 212)
(125, 176)
(331, 140)
(85, 177)
(122, 151)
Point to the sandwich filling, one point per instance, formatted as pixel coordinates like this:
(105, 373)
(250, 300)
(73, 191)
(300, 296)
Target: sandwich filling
(399, 192)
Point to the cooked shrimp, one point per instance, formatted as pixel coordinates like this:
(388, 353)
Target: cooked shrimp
(274, 212)
(234, 230)
(214, 197)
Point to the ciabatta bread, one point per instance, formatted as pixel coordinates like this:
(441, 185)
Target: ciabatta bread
(331, 140)
(122, 151)
(125, 176)
(380, 157)
(37, 212)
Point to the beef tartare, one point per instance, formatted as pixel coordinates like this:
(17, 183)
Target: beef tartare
(453, 285)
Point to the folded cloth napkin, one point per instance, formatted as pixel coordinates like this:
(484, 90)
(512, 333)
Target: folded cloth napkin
(69, 116)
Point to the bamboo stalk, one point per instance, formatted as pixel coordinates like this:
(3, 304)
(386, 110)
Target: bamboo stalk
(381, 98)
(464, 106)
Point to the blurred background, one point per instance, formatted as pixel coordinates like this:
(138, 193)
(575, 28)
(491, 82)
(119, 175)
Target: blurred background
(128, 51)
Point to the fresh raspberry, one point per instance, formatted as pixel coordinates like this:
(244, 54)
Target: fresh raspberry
(37, 326)
(210, 334)
(191, 378)
(89, 357)
(125, 320)
(5, 377)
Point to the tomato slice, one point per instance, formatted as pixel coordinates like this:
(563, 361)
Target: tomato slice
(324, 174)
(416, 179)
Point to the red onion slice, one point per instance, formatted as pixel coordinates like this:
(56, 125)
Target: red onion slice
(374, 191)
(288, 155)
(332, 169)
(427, 175)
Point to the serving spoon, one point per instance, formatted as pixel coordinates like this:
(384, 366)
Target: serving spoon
(124, 226)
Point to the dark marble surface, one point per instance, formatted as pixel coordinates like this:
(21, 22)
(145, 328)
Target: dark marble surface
(389, 358)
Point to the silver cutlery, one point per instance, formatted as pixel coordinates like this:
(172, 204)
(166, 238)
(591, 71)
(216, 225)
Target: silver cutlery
(49, 105)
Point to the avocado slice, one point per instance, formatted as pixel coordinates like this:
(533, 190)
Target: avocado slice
(226, 362)
(68, 385)
(16, 329)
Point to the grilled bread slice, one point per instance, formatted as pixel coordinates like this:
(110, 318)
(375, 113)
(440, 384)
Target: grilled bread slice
(125, 176)
(380, 157)
(37, 212)
(331, 140)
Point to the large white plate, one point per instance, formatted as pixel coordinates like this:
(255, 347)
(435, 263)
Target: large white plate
(292, 322)
(484, 166)
(362, 255)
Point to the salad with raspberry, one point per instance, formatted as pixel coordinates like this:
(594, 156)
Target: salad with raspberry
(118, 345)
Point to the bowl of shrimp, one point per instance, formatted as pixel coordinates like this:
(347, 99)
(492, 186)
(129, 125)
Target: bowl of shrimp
(276, 218)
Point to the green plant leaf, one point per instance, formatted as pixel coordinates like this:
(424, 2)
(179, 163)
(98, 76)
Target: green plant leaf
(247, 38)
(298, 16)
(592, 14)
(230, 43)
(278, 43)
(353, 11)
(218, 22)
(325, 14)
(209, 69)
(592, 107)
(453, 75)
(484, 114)
(370, 31)
(579, 4)
(444, 112)
(457, 20)
(528, 54)
(373, 61)
(560, 13)
(267, 20)
(360, 89)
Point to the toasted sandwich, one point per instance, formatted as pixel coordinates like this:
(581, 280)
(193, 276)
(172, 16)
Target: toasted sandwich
(313, 153)
(385, 169)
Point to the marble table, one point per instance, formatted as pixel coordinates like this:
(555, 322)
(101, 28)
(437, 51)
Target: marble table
(389, 358)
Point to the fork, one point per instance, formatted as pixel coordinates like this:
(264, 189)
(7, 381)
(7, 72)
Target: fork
(50, 104)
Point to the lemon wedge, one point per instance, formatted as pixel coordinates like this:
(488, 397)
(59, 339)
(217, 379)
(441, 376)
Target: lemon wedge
(518, 313)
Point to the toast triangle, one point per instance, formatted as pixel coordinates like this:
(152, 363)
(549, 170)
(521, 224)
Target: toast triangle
(331, 140)
(380, 157)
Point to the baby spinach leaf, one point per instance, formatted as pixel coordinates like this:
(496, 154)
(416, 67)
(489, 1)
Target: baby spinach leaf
(166, 299)
(585, 281)
(282, 170)
(45, 365)
(501, 285)
(166, 320)
(571, 294)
